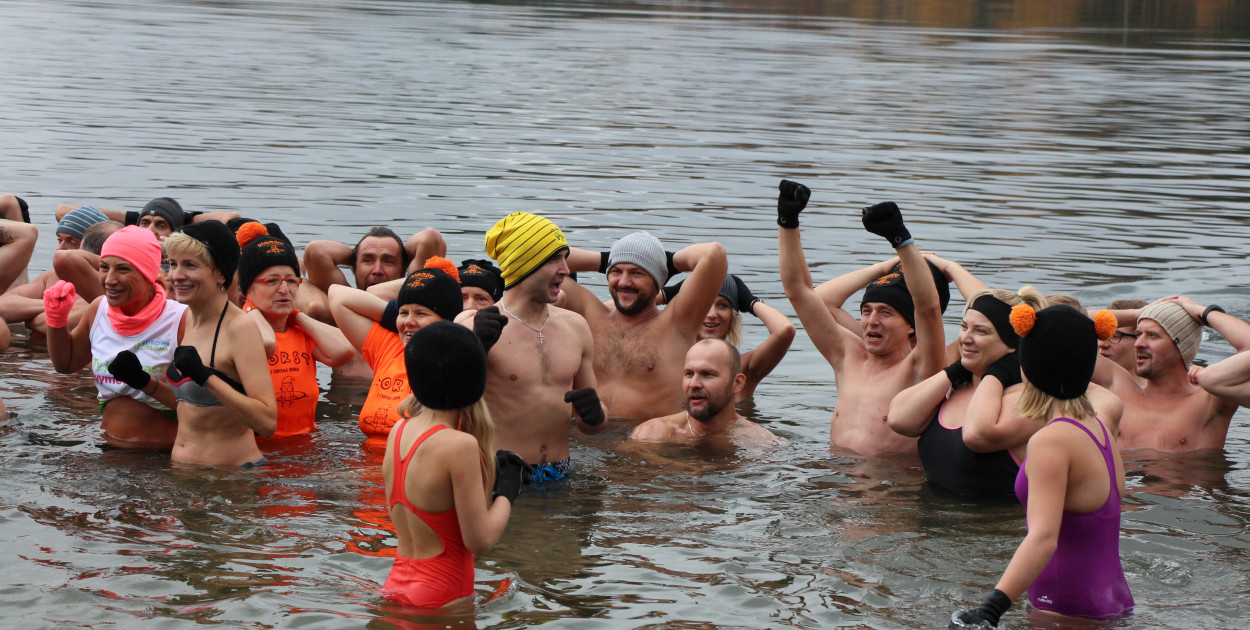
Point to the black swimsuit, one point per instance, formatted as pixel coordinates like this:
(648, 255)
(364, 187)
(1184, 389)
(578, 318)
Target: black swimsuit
(953, 467)
(188, 391)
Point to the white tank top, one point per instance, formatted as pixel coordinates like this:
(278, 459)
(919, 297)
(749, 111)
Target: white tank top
(154, 347)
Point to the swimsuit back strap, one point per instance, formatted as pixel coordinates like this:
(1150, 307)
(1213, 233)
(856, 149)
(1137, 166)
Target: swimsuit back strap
(212, 357)
(1103, 446)
(399, 493)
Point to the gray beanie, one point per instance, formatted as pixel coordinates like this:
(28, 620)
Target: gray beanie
(729, 291)
(1184, 330)
(644, 250)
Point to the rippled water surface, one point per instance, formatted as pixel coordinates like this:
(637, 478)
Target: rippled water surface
(1093, 148)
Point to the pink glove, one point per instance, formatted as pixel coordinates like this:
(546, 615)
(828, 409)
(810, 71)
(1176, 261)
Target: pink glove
(57, 302)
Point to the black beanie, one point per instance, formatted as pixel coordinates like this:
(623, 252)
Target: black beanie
(262, 253)
(167, 209)
(221, 246)
(446, 366)
(433, 289)
(24, 207)
(238, 222)
(1059, 352)
(891, 289)
(482, 274)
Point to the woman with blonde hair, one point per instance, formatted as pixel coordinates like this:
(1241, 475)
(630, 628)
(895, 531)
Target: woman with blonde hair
(1071, 483)
(936, 408)
(223, 405)
(443, 484)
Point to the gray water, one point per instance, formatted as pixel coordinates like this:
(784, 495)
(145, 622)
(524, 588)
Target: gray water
(1093, 148)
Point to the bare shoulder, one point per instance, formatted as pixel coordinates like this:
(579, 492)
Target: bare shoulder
(657, 428)
(744, 428)
(571, 321)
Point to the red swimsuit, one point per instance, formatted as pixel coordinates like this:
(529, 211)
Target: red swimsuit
(428, 582)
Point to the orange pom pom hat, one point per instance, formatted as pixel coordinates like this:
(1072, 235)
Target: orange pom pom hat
(435, 286)
(1105, 324)
(249, 231)
(1058, 348)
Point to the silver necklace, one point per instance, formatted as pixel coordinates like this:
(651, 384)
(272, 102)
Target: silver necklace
(538, 330)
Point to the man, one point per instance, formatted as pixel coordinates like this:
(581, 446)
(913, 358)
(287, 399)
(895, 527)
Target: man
(544, 359)
(69, 230)
(712, 379)
(380, 256)
(901, 343)
(481, 284)
(1119, 348)
(1173, 411)
(23, 302)
(640, 348)
(162, 216)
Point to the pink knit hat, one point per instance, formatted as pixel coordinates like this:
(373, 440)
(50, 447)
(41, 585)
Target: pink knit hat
(136, 246)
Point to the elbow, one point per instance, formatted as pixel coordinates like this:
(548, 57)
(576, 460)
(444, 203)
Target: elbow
(976, 440)
(900, 424)
(342, 358)
(786, 333)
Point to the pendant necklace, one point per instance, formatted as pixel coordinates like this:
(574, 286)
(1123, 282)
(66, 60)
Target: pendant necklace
(538, 330)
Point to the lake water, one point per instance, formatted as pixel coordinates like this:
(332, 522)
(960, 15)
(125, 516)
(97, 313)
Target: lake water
(1095, 148)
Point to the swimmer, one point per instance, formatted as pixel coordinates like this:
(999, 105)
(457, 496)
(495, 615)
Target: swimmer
(1170, 412)
(429, 295)
(1072, 482)
(481, 284)
(1119, 348)
(69, 230)
(269, 277)
(724, 321)
(935, 409)
(81, 267)
(712, 379)
(640, 348)
(901, 342)
(449, 495)
(17, 243)
(379, 256)
(224, 405)
(126, 335)
(541, 372)
(161, 216)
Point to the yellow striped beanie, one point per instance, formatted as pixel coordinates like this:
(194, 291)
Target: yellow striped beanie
(522, 242)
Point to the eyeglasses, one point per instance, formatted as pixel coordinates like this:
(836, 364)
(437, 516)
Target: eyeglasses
(273, 281)
(1117, 336)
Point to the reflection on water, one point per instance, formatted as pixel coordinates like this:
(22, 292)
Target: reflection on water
(1095, 148)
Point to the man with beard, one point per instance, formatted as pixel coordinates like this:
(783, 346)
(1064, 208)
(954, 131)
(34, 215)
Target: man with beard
(639, 348)
(1178, 409)
(712, 378)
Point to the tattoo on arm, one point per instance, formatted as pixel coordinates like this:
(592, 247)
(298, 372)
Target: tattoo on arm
(5, 237)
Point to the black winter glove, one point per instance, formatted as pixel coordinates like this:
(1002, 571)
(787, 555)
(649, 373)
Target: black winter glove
(187, 360)
(672, 266)
(390, 316)
(487, 325)
(671, 291)
(586, 403)
(1006, 369)
(126, 368)
(511, 472)
(746, 299)
(988, 613)
(958, 374)
(884, 219)
(603, 261)
(790, 203)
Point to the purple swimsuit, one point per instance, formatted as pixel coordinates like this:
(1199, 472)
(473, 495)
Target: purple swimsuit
(1084, 578)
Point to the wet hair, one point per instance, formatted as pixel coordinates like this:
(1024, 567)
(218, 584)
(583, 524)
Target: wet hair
(382, 232)
(93, 237)
(1036, 404)
(474, 420)
(1124, 305)
(1056, 299)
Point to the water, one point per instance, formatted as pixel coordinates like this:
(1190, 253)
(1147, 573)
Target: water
(1093, 148)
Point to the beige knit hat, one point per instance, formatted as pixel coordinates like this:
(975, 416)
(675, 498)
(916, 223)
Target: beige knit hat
(1184, 330)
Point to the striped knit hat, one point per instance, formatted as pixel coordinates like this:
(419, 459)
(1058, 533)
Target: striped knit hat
(521, 243)
(76, 221)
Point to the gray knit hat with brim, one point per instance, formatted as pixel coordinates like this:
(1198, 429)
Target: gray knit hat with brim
(644, 250)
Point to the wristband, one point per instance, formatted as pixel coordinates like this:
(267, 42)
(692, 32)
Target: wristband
(906, 242)
(1207, 312)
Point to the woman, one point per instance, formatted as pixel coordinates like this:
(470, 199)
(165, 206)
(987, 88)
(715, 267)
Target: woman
(935, 408)
(430, 294)
(269, 277)
(1071, 483)
(724, 321)
(438, 466)
(127, 334)
(222, 406)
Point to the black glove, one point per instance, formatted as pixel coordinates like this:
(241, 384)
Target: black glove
(884, 219)
(390, 316)
(187, 360)
(586, 403)
(958, 374)
(1006, 369)
(989, 612)
(671, 291)
(672, 266)
(511, 472)
(603, 261)
(126, 368)
(790, 203)
(487, 325)
(746, 299)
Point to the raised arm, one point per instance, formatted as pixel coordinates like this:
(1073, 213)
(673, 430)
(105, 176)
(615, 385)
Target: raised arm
(835, 292)
(17, 242)
(333, 348)
(422, 246)
(991, 422)
(968, 284)
(707, 264)
(584, 260)
(80, 268)
(322, 260)
(388, 290)
(758, 363)
(1229, 379)
(1234, 330)
(65, 208)
(355, 312)
(70, 350)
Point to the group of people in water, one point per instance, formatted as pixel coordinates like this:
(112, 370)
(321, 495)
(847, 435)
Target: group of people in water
(203, 332)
